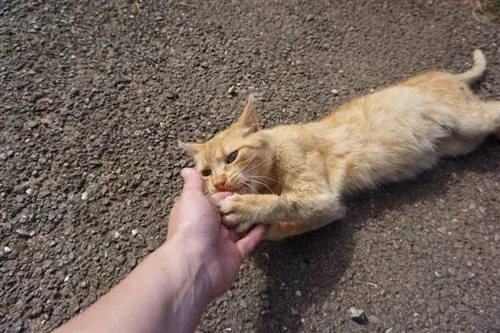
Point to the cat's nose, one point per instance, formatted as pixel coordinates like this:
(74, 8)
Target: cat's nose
(222, 187)
(220, 183)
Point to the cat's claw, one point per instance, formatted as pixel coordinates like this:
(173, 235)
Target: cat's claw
(236, 214)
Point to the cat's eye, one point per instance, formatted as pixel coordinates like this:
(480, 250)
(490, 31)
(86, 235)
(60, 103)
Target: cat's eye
(206, 172)
(231, 157)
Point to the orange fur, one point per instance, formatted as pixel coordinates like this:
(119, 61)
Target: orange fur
(299, 173)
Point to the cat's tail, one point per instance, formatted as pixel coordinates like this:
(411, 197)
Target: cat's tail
(477, 69)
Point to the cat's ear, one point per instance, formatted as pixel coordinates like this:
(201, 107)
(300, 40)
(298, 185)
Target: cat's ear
(190, 148)
(248, 119)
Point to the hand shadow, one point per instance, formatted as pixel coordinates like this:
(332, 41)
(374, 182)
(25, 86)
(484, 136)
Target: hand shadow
(302, 271)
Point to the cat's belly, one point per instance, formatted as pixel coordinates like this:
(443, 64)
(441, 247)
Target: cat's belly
(370, 172)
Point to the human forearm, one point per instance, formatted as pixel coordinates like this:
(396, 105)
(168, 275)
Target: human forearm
(165, 293)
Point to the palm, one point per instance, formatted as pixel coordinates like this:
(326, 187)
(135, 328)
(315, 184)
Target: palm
(196, 218)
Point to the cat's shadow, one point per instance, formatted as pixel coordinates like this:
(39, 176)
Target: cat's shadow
(304, 270)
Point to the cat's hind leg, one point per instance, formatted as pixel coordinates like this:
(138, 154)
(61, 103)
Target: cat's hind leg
(477, 122)
(457, 145)
(494, 109)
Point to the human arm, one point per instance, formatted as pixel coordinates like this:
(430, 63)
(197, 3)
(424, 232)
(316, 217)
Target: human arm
(168, 291)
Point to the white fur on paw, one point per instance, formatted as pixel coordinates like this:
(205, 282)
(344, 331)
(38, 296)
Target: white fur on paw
(233, 213)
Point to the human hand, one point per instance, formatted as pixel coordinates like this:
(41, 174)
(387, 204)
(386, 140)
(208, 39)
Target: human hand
(196, 224)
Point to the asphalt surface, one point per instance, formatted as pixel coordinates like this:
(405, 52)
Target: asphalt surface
(93, 97)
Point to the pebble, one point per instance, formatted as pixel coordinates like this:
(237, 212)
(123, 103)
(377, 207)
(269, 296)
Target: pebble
(335, 92)
(442, 230)
(10, 153)
(135, 232)
(29, 191)
(3, 156)
(116, 235)
(85, 196)
(232, 91)
(298, 293)
(24, 233)
(31, 124)
(74, 92)
(358, 316)
(172, 95)
(7, 249)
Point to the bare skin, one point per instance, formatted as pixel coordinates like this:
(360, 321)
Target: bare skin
(169, 290)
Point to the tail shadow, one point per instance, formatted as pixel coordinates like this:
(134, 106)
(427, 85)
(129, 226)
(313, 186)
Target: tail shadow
(302, 271)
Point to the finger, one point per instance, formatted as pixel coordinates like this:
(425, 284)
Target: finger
(173, 220)
(233, 235)
(250, 241)
(192, 180)
(217, 197)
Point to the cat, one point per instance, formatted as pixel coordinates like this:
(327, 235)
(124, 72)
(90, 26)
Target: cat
(292, 178)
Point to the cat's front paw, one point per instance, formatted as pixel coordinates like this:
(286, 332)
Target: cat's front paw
(237, 213)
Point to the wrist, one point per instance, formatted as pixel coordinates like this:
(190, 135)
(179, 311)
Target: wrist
(188, 272)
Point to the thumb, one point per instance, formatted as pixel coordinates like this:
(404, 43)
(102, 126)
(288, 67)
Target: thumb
(192, 180)
(247, 244)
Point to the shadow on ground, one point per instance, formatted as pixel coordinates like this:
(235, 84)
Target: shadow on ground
(304, 270)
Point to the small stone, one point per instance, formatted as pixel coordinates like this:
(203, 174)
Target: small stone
(232, 91)
(29, 191)
(7, 249)
(335, 92)
(298, 293)
(31, 124)
(24, 233)
(341, 71)
(204, 64)
(497, 237)
(74, 92)
(3, 156)
(310, 18)
(116, 235)
(135, 232)
(389, 330)
(84, 196)
(172, 95)
(358, 316)
(66, 279)
(442, 230)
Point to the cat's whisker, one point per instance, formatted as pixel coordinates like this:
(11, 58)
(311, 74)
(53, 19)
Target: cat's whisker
(250, 186)
(255, 179)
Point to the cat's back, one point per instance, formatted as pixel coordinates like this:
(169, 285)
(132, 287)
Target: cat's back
(390, 134)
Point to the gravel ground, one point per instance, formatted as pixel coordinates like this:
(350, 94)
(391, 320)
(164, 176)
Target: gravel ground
(94, 97)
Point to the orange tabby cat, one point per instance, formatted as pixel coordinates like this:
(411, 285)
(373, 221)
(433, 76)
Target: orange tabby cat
(292, 177)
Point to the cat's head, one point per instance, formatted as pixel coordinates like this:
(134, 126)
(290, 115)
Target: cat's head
(238, 159)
